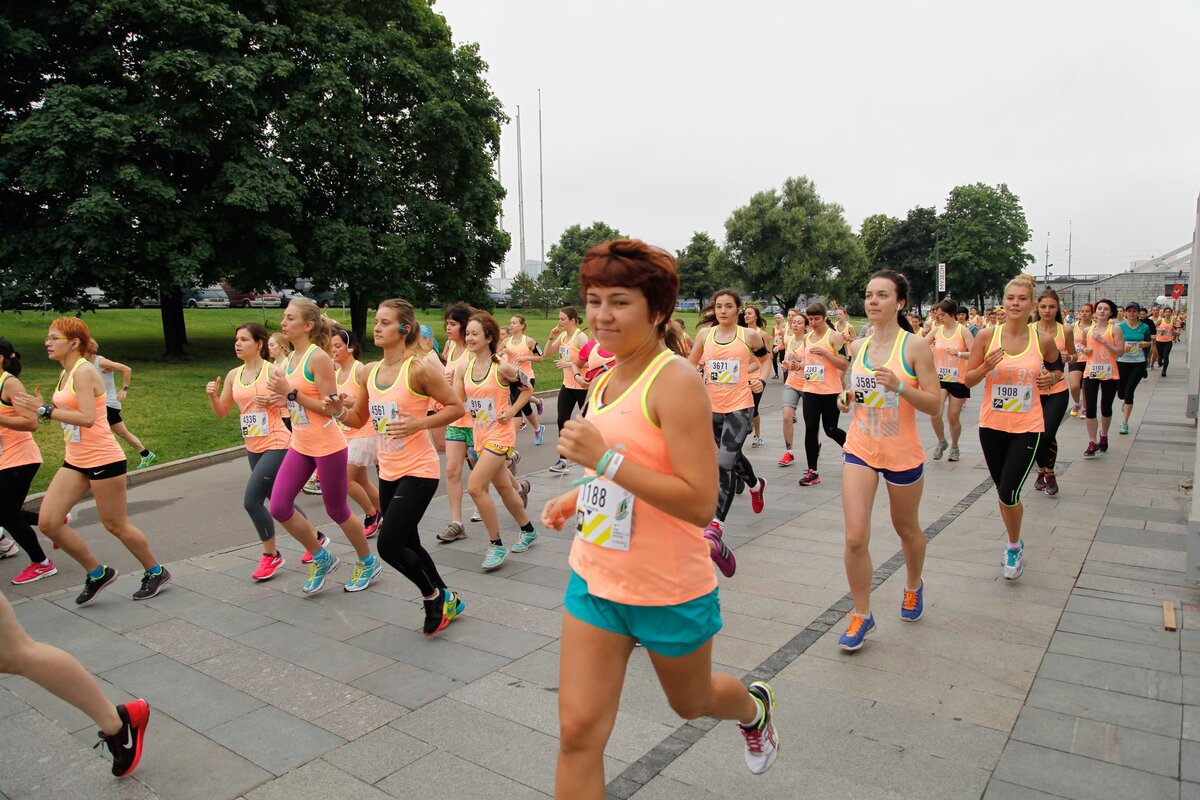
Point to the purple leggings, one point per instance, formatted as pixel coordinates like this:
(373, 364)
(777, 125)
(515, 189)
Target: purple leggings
(296, 470)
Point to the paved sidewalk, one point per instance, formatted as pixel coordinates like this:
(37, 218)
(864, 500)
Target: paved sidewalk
(1060, 684)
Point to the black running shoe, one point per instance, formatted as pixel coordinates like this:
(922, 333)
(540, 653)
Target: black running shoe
(435, 617)
(126, 744)
(152, 584)
(91, 588)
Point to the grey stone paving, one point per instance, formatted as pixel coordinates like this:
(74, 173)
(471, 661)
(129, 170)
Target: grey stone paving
(1062, 684)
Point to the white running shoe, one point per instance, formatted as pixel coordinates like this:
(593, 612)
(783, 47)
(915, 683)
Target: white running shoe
(762, 742)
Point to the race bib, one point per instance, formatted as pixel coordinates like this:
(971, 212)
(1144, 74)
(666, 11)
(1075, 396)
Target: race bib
(563, 353)
(814, 372)
(1011, 398)
(871, 395)
(948, 374)
(297, 412)
(604, 515)
(1102, 372)
(482, 409)
(255, 424)
(724, 370)
(71, 433)
(381, 415)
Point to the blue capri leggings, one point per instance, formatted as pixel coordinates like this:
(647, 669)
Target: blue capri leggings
(296, 470)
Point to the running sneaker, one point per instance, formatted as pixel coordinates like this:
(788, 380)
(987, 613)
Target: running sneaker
(739, 485)
(756, 441)
(1075, 410)
(524, 424)
(1124, 429)
(1103, 443)
(35, 572)
(477, 517)
(912, 606)
(268, 565)
(953, 455)
(322, 564)
(126, 744)
(363, 574)
(1040, 484)
(313, 486)
(435, 613)
(762, 742)
(92, 587)
(8, 547)
(1012, 561)
(322, 540)
(525, 542)
(513, 460)
(788, 459)
(856, 632)
(147, 460)
(757, 501)
(371, 523)
(524, 487)
(810, 478)
(496, 553)
(539, 435)
(152, 584)
(561, 467)
(541, 407)
(938, 451)
(1091, 451)
(721, 555)
(454, 531)
(1051, 485)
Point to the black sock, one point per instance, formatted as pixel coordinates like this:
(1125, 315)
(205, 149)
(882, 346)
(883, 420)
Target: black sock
(144, 453)
(527, 527)
(498, 542)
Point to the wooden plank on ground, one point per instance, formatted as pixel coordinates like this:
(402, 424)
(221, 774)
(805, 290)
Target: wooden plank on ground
(1169, 615)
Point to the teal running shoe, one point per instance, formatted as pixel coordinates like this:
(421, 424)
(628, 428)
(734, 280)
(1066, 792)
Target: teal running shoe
(364, 573)
(322, 564)
(496, 553)
(525, 542)
(147, 460)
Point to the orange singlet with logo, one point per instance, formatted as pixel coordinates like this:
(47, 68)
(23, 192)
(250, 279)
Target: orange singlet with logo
(1101, 364)
(627, 550)
(1011, 402)
(518, 347)
(794, 350)
(17, 448)
(727, 371)
(949, 367)
(86, 447)
(883, 432)
(456, 357)
(348, 385)
(568, 349)
(313, 433)
(262, 427)
(820, 376)
(486, 400)
(1060, 341)
(400, 456)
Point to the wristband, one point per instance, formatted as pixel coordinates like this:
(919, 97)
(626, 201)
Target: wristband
(613, 465)
(900, 389)
(125, 388)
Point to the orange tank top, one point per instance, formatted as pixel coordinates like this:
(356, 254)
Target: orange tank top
(596, 360)
(567, 349)
(86, 447)
(407, 456)
(794, 351)
(486, 400)
(949, 367)
(1101, 364)
(17, 448)
(883, 432)
(727, 371)
(456, 356)
(1060, 341)
(627, 550)
(313, 433)
(820, 376)
(348, 385)
(262, 428)
(518, 347)
(1011, 402)
(1164, 330)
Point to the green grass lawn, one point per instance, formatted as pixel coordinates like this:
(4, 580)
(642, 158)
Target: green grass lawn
(166, 407)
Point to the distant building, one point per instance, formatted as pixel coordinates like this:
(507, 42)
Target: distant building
(1144, 282)
(533, 268)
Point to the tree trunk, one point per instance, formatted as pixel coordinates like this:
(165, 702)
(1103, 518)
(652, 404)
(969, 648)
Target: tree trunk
(174, 326)
(358, 317)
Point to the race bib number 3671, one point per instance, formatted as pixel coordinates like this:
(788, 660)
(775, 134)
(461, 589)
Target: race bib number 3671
(724, 370)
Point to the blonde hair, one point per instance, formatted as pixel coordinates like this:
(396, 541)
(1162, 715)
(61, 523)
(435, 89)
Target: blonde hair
(322, 330)
(285, 347)
(1026, 281)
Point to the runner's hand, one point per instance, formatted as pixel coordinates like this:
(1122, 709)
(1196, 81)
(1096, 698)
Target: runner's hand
(559, 509)
(504, 416)
(581, 442)
(27, 401)
(887, 379)
(1044, 380)
(212, 389)
(403, 425)
(994, 358)
(843, 401)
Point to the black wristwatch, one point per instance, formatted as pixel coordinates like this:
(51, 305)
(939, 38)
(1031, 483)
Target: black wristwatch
(45, 410)
(291, 396)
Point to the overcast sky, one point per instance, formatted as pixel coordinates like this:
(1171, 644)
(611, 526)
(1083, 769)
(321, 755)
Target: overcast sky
(660, 118)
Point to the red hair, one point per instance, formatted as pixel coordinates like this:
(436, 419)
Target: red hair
(74, 328)
(633, 264)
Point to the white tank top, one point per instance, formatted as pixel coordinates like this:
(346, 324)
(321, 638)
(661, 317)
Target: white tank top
(110, 385)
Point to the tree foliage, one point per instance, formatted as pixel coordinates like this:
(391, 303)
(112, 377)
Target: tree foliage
(697, 278)
(547, 294)
(564, 256)
(983, 240)
(909, 248)
(521, 291)
(790, 242)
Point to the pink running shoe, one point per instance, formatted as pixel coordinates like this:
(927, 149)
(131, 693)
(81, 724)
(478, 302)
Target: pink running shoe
(721, 555)
(371, 523)
(322, 539)
(267, 567)
(35, 572)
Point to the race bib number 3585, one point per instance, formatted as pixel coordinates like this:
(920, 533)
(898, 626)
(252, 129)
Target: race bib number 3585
(868, 393)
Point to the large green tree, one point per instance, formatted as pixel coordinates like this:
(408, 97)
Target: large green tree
(788, 242)
(984, 233)
(697, 280)
(564, 256)
(909, 247)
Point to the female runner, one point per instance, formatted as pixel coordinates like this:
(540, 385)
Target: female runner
(362, 446)
(567, 340)
(641, 575)
(113, 399)
(248, 389)
(778, 345)
(1054, 399)
(398, 390)
(823, 371)
(1164, 339)
(523, 351)
(843, 324)
(93, 461)
(1103, 343)
(484, 386)
(752, 319)
(1138, 336)
(951, 342)
(1079, 329)
(1017, 360)
(459, 438)
(793, 386)
(883, 440)
(309, 383)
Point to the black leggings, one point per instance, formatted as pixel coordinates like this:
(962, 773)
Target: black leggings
(1127, 383)
(1009, 458)
(514, 391)
(14, 487)
(776, 360)
(1164, 354)
(1054, 408)
(730, 430)
(568, 399)
(758, 401)
(403, 503)
(820, 410)
(1107, 391)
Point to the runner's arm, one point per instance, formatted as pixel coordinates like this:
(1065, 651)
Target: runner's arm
(23, 419)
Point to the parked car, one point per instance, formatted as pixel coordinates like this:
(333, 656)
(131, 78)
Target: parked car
(252, 298)
(146, 301)
(333, 296)
(208, 297)
(96, 297)
(286, 295)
